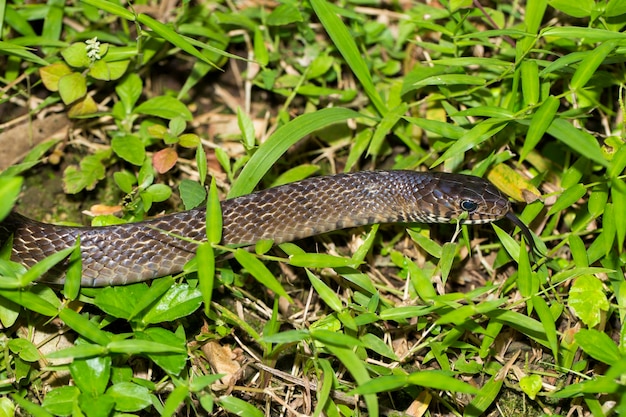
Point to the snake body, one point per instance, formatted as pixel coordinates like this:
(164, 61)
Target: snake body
(123, 254)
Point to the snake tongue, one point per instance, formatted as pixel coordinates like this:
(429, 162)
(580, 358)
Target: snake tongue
(528, 236)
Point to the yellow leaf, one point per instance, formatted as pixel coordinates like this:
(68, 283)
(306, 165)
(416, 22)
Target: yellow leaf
(83, 107)
(51, 74)
(72, 87)
(513, 184)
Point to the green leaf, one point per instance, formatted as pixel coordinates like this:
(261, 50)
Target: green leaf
(450, 79)
(206, 273)
(25, 349)
(170, 35)
(61, 401)
(130, 397)
(52, 74)
(376, 344)
(136, 346)
(440, 380)
(524, 324)
(107, 71)
(246, 127)
(289, 336)
(11, 49)
(530, 82)
(321, 260)
(214, 215)
(165, 107)
(176, 397)
(277, 144)
(539, 124)
(84, 327)
(179, 301)
(118, 301)
(33, 301)
(260, 272)
(618, 195)
(356, 366)
(344, 42)
(328, 337)
(568, 198)
(85, 106)
(580, 141)
(112, 8)
(261, 55)
(295, 174)
(485, 397)
(91, 375)
(129, 148)
(192, 193)
(129, 91)
(76, 55)
(284, 14)
(580, 8)
(599, 346)
(159, 192)
(590, 64)
(548, 321)
(326, 294)
(91, 171)
(40, 268)
(239, 407)
(384, 127)
(447, 259)
(72, 87)
(10, 188)
(125, 181)
(471, 139)
(531, 385)
(587, 299)
(144, 297)
(170, 349)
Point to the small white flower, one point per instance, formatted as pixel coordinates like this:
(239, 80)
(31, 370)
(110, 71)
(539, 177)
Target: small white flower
(93, 49)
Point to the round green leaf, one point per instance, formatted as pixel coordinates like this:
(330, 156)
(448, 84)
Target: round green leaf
(72, 87)
(129, 397)
(129, 148)
(159, 192)
(531, 385)
(91, 375)
(192, 193)
(179, 301)
(165, 107)
(76, 55)
(25, 349)
(61, 401)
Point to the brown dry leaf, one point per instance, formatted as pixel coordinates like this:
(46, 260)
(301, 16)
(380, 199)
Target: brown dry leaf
(102, 210)
(222, 361)
(419, 406)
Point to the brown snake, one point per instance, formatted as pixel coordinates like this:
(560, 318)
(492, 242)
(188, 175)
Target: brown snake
(135, 252)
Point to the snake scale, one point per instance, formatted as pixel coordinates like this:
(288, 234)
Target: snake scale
(135, 252)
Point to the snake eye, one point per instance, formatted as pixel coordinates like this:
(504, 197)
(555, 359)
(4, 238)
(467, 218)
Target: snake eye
(469, 206)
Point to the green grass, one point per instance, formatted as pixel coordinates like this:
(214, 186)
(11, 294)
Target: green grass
(374, 321)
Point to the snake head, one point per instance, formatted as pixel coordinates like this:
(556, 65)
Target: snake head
(470, 199)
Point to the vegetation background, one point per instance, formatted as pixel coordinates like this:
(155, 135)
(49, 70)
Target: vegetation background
(147, 101)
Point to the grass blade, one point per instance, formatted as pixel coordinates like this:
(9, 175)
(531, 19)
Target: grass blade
(344, 42)
(277, 144)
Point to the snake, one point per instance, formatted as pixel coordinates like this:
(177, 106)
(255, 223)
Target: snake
(135, 252)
